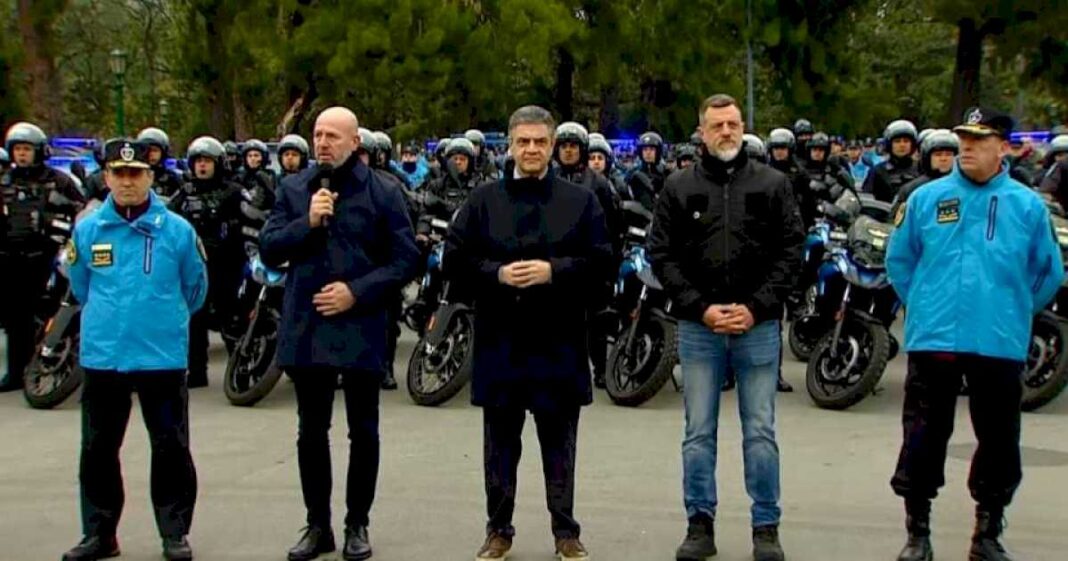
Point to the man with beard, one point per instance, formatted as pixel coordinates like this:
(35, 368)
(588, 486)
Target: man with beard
(726, 243)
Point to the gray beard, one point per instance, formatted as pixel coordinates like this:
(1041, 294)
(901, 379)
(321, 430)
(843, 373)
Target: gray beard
(727, 155)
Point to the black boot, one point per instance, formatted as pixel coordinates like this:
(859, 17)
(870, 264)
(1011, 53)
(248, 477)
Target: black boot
(177, 549)
(313, 543)
(389, 382)
(918, 523)
(784, 386)
(766, 546)
(700, 542)
(986, 544)
(357, 544)
(598, 380)
(92, 548)
(197, 379)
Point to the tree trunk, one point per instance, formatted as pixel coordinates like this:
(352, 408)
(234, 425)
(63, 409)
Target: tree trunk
(39, 51)
(565, 85)
(298, 110)
(243, 129)
(219, 97)
(966, 73)
(608, 120)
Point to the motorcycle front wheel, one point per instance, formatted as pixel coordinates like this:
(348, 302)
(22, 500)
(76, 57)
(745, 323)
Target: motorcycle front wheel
(252, 370)
(436, 373)
(50, 380)
(843, 380)
(1047, 362)
(637, 371)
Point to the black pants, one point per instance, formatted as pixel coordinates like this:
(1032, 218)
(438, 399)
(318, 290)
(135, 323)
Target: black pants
(21, 292)
(219, 311)
(557, 436)
(931, 389)
(393, 318)
(106, 402)
(315, 398)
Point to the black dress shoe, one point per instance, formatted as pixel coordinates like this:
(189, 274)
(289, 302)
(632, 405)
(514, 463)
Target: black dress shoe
(389, 382)
(357, 544)
(784, 386)
(312, 544)
(177, 549)
(92, 548)
(197, 380)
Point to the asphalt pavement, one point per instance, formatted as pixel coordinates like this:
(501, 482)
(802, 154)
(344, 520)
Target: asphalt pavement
(837, 502)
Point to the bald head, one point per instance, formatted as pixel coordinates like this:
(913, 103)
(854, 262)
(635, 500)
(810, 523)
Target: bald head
(336, 136)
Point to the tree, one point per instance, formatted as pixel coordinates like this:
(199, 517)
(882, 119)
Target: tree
(36, 22)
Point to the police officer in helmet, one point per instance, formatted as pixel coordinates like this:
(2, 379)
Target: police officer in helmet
(212, 205)
(887, 178)
(647, 179)
(158, 146)
(293, 154)
(31, 195)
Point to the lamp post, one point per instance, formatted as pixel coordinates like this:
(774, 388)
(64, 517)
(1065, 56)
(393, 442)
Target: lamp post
(164, 113)
(118, 70)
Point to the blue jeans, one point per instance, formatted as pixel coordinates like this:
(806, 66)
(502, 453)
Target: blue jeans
(754, 358)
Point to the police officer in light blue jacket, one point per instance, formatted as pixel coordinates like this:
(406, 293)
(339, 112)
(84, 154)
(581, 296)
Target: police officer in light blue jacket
(138, 270)
(973, 259)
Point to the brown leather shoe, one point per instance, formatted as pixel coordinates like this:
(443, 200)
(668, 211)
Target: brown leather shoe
(496, 548)
(571, 549)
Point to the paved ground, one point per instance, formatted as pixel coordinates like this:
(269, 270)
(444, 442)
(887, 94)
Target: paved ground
(838, 505)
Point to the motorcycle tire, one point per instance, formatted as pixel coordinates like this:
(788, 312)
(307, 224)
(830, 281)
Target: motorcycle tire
(69, 383)
(1040, 388)
(869, 342)
(658, 338)
(801, 342)
(462, 328)
(262, 376)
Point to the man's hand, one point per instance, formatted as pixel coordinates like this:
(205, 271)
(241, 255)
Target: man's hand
(335, 298)
(322, 204)
(715, 315)
(524, 274)
(738, 321)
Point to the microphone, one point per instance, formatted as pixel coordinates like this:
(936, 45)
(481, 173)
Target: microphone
(325, 171)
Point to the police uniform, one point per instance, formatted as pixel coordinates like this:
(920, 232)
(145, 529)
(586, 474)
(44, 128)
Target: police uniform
(973, 264)
(139, 273)
(38, 204)
(214, 208)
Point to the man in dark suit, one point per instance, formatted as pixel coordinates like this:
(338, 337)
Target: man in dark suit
(536, 250)
(349, 244)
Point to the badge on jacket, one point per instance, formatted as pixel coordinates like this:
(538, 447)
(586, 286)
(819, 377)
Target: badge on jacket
(72, 252)
(900, 216)
(948, 211)
(102, 255)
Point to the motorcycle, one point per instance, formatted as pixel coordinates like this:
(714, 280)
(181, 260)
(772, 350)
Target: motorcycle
(644, 350)
(442, 360)
(853, 289)
(252, 368)
(54, 372)
(805, 326)
(1046, 373)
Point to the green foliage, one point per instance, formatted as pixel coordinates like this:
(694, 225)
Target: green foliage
(422, 68)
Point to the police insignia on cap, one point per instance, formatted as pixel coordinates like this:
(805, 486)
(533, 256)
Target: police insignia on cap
(127, 153)
(975, 117)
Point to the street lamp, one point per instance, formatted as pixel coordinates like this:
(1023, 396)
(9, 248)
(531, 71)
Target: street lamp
(164, 113)
(118, 70)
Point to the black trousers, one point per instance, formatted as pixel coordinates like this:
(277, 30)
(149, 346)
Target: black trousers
(503, 446)
(21, 290)
(315, 389)
(931, 390)
(220, 308)
(106, 403)
(393, 318)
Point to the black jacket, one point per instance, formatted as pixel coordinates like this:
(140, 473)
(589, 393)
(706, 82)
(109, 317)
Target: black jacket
(1055, 181)
(368, 245)
(909, 188)
(165, 182)
(530, 344)
(30, 197)
(799, 182)
(726, 233)
(646, 182)
(606, 196)
(887, 178)
(826, 183)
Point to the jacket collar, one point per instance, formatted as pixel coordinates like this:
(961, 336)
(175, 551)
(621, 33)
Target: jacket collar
(719, 171)
(1000, 178)
(152, 220)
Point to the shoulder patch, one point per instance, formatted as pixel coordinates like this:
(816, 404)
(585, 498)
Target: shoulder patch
(72, 252)
(899, 217)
